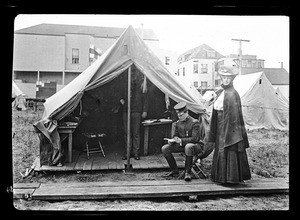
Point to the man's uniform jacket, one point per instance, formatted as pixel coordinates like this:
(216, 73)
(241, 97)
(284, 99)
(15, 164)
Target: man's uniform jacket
(190, 131)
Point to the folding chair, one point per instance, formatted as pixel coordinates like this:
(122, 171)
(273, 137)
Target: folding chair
(197, 169)
(100, 149)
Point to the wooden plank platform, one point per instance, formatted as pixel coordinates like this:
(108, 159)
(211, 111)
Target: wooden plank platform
(24, 190)
(112, 161)
(150, 189)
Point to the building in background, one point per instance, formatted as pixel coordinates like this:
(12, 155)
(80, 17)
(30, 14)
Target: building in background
(168, 58)
(58, 53)
(248, 61)
(197, 67)
(52, 55)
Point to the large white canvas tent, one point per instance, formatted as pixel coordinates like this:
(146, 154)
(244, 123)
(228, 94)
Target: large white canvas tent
(99, 86)
(263, 106)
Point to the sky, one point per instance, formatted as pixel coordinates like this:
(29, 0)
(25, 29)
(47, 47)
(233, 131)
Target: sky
(268, 35)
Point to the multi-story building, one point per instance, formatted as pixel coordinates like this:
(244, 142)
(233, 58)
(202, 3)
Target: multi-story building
(197, 66)
(248, 61)
(168, 58)
(59, 53)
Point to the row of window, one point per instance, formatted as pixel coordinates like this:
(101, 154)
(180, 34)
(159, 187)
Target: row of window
(208, 54)
(204, 84)
(203, 69)
(75, 57)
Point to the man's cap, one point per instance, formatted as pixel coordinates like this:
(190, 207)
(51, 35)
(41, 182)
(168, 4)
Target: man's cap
(181, 106)
(228, 71)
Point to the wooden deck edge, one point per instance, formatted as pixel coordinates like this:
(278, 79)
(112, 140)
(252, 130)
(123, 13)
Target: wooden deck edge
(91, 192)
(134, 195)
(24, 190)
(164, 182)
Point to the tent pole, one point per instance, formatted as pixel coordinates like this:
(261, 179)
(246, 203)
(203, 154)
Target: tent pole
(128, 166)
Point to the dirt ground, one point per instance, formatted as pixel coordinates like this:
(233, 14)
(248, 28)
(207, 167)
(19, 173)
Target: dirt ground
(268, 158)
(239, 203)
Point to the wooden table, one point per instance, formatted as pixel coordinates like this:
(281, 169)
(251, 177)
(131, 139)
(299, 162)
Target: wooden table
(153, 124)
(67, 131)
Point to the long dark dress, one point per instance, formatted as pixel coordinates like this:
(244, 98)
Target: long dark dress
(227, 130)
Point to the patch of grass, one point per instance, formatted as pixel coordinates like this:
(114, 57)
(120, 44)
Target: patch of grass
(268, 153)
(25, 142)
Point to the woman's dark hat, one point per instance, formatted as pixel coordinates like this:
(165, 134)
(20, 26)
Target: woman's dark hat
(228, 71)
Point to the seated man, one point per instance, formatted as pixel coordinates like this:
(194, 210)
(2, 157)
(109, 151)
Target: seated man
(187, 138)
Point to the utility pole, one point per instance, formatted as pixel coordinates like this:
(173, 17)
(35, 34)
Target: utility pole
(142, 31)
(240, 53)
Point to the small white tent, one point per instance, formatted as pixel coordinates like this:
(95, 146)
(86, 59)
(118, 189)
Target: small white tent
(18, 96)
(263, 106)
(16, 91)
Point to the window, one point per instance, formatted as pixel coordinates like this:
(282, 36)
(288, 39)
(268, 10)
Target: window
(167, 60)
(244, 63)
(211, 53)
(183, 71)
(259, 65)
(196, 84)
(178, 72)
(203, 68)
(249, 63)
(217, 82)
(195, 68)
(75, 56)
(203, 84)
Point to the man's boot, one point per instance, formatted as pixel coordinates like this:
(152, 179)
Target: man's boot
(188, 167)
(173, 165)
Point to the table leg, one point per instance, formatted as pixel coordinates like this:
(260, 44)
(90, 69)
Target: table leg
(146, 136)
(168, 131)
(70, 149)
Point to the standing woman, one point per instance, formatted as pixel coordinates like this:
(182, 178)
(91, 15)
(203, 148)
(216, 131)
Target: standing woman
(228, 133)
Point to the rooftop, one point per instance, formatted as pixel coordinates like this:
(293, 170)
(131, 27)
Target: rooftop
(103, 32)
(277, 76)
(200, 52)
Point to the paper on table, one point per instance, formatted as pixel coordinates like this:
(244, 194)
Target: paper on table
(165, 120)
(170, 139)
